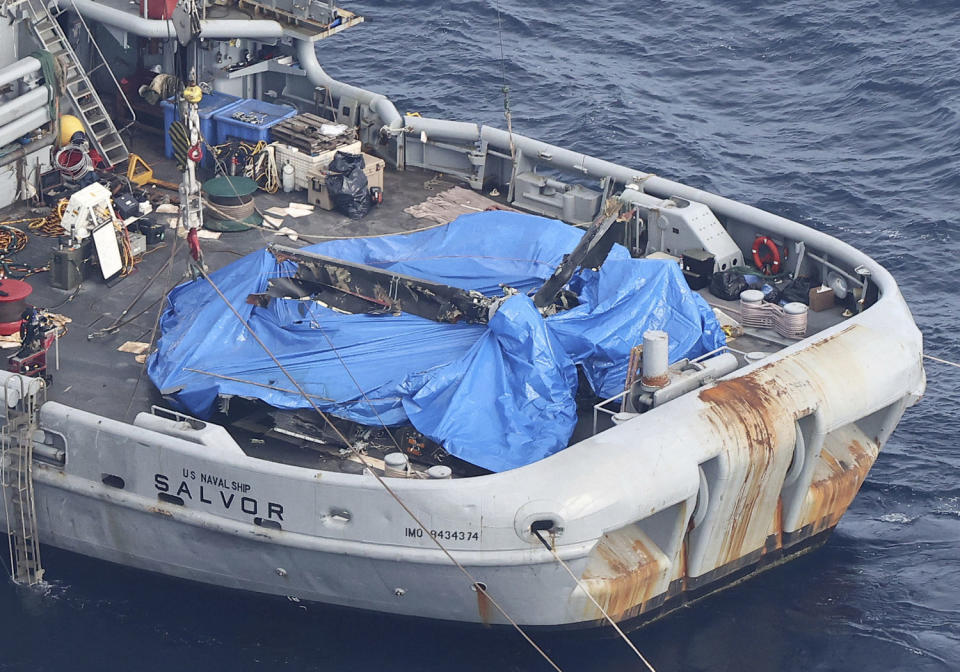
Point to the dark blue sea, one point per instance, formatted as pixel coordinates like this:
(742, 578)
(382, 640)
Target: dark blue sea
(842, 115)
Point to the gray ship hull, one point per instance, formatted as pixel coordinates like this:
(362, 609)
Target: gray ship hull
(625, 498)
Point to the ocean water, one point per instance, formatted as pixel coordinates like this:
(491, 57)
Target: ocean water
(844, 116)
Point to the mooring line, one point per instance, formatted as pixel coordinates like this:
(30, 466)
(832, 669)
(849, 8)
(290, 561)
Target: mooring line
(941, 361)
(536, 532)
(603, 611)
(475, 584)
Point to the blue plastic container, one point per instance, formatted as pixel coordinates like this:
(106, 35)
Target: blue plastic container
(210, 105)
(268, 113)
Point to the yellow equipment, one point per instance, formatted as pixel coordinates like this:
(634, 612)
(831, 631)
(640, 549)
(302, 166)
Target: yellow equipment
(193, 94)
(141, 174)
(69, 125)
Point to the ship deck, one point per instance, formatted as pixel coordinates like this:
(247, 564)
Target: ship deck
(94, 375)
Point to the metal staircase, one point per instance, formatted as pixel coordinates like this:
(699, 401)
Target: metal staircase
(102, 133)
(16, 477)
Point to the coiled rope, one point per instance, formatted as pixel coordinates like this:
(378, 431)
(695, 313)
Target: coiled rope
(236, 213)
(12, 240)
(48, 226)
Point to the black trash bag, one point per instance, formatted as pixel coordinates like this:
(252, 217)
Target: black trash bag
(344, 162)
(727, 285)
(770, 292)
(347, 184)
(796, 290)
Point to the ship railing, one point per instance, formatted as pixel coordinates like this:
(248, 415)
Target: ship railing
(22, 398)
(604, 406)
(176, 416)
(483, 154)
(601, 407)
(106, 65)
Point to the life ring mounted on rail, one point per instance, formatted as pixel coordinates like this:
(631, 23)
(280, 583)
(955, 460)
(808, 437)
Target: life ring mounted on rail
(769, 263)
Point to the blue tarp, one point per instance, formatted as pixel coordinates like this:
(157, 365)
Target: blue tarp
(499, 395)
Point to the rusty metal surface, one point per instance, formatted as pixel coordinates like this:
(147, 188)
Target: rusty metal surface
(752, 420)
(625, 571)
(655, 381)
(846, 458)
(484, 608)
(747, 416)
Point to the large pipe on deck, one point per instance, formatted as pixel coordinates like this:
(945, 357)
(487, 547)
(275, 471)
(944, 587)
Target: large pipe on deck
(24, 104)
(384, 108)
(22, 151)
(562, 158)
(21, 68)
(441, 129)
(437, 129)
(157, 28)
(24, 125)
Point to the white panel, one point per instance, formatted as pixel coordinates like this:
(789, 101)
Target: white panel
(108, 251)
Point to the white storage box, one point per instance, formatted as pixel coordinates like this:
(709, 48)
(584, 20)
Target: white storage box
(303, 164)
(318, 194)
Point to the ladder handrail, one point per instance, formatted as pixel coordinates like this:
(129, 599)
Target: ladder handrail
(16, 454)
(7, 441)
(126, 101)
(89, 106)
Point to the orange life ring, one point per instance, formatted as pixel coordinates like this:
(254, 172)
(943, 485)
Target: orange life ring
(771, 260)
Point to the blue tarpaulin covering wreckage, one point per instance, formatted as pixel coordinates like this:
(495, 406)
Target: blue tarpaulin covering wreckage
(499, 395)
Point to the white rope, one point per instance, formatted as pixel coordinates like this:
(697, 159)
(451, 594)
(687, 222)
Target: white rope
(412, 515)
(272, 183)
(941, 361)
(506, 91)
(476, 585)
(596, 604)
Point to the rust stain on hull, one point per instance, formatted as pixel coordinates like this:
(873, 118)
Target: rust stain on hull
(776, 532)
(625, 571)
(747, 414)
(753, 421)
(483, 604)
(841, 470)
